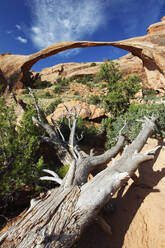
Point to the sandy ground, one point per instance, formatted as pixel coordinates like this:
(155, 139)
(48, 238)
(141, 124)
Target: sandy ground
(139, 217)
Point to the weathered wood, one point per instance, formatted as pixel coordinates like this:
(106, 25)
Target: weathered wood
(58, 220)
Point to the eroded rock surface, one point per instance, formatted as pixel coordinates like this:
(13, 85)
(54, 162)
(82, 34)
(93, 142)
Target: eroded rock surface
(149, 48)
(87, 111)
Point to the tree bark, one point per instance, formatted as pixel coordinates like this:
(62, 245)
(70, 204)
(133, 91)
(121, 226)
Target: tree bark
(59, 219)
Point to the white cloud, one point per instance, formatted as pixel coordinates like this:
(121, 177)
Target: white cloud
(65, 20)
(18, 27)
(21, 39)
(9, 32)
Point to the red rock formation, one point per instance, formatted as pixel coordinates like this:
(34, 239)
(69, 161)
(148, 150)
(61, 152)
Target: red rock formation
(157, 27)
(150, 49)
(129, 64)
(87, 111)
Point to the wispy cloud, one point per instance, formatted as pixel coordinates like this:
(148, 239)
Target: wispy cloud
(65, 20)
(18, 27)
(21, 39)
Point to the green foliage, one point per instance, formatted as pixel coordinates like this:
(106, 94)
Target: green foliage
(110, 73)
(21, 160)
(93, 64)
(85, 79)
(149, 94)
(62, 171)
(93, 99)
(76, 93)
(61, 84)
(39, 84)
(45, 95)
(52, 106)
(25, 91)
(63, 81)
(119, 90)
(2, 88)
(133, 127)
(58, 89)
(84, 128)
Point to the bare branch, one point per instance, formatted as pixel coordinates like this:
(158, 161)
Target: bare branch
(68, 180)
(57, 180)
(91, 152)
(120, 132)
(54, 177)
(35, 104)
(89, 163)
(146, 131)
(62, 151)
(108, 181)
(106, 157)
(51, 173)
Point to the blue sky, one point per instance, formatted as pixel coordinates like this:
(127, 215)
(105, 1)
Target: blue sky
(27, 26)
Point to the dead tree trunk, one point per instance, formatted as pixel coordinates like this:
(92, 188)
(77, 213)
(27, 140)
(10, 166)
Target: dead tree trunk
(59, 219)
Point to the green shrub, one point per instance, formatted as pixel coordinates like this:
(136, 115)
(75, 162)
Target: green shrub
(93, 64)
(50, 109)
(58, 89)
(83, 127)
(45, 95)
(110, 73)
(60, 85)
(133, 127)
(63, 81)
(93, 99)
(147, 92)
(85, 79)
(25, 91)
(39, 84)
(119, 90)
(21, 156)
(62, 171)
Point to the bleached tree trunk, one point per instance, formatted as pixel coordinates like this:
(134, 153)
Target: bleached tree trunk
(59, 219)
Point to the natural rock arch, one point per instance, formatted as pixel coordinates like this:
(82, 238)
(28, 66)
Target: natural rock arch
(149, 49)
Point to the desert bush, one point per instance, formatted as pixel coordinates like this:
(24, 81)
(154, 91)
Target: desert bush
(58, 89)
(85, 79)
(50, 108)
(45, 95)
(132, 125)
(120, 90)
(61, 85)
(21, 158)
(76, 93)
(25, 91)
(84, 129)
(109, 72)
(39, 84)
(93, 99)
(62, 81)
(93, 64)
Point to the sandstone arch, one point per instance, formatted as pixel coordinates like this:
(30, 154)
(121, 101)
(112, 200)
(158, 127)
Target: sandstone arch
(149, 48)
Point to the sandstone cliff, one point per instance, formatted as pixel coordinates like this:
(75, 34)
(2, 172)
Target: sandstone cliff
(149, 48)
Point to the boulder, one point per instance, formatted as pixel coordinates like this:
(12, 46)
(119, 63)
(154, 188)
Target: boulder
(87, 111)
